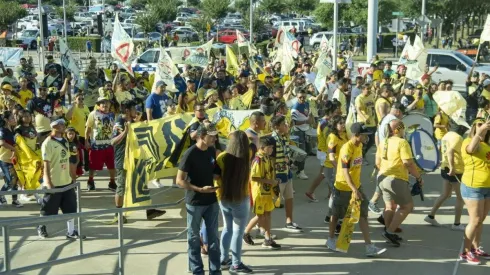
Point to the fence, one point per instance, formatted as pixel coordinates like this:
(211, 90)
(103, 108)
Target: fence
(9, 224)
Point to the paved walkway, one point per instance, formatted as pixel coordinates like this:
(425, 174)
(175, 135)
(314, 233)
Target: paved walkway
(428, 250)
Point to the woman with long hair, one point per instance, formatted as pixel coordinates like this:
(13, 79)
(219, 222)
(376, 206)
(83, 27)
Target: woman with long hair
(8, 156)
(182, 103)
(234, 198)
(475, 189)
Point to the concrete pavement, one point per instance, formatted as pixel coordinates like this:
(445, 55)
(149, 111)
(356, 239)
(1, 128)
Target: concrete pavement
(427, 249)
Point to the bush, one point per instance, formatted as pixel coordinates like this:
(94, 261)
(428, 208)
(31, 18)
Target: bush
(80, 43)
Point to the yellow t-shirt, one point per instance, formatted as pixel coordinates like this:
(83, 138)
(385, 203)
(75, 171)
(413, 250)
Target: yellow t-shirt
(322, 132)
(392, 153)
(378, 75)
(236, 103)
(366, 105)
(25, 96)
(340, 96)
(485, 94)
(452, 140)
(350, 157)
(420, 104)
(57, 154)
(334, 144)
(220, 161)
(191, 95)
(379, 102)
(122, 96)
(443, 119)
(476, 166)
(263, 168)
(78, 119)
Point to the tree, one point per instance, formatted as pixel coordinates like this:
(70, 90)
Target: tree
(199, 24)
(302, 6)
(11, 12)
(70, 12)
(273, 6)
(164, 10)
(324, 14)
(138, 4)
(194, 3)
(147, 21)
(258, 22)
(242, 6)
(215, 9)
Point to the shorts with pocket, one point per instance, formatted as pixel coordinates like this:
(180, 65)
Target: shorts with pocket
(262, 204)
(98, 158)
(341, 201)
(396, 190)
(286, 189)
(472, 193)
(66, 201)
(120, 182)
(452, 179)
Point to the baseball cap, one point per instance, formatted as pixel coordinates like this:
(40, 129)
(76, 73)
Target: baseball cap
(358, 128)
(57, 122)
(486, 82)
(207, 129)
(161, 83)
(7, 87)
(101, 99)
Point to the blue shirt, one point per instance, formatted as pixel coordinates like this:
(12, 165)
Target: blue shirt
(157, 104)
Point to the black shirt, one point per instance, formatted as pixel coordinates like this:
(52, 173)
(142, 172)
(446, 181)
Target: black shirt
(120, 148)
(200, 167)
(26, 131)
(7, 135)
(43, 106)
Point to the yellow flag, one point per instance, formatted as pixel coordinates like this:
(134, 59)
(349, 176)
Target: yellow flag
(351, 218)
(148, 147)
(231, 62)
(28, 166)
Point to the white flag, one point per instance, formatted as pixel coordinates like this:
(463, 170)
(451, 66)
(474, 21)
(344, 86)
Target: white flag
(286, 37)
(68, 62)
(324, 68)
(324, 44)
(195, 56)
(485, 34)
(122, 47)
(166, 71)
(241, 40)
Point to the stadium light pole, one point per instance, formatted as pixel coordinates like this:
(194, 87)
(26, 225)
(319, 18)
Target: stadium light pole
(41, 33)
(64, 17)
(251, 21)
(371, 29)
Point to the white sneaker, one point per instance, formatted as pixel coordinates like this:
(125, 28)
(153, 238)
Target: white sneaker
(331, 244)
(157, 183)
(17, 204)
(433, 222)
(302, 175)
(372, 250)
(460, 227)
(24, 197)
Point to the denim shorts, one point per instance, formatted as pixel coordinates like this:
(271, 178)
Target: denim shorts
(470, 193)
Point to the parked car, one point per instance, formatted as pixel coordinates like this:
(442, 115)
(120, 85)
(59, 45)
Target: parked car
(82, 16)
(150, 37)
(316, 38)
(186, 36)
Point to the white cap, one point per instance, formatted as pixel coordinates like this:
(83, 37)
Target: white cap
(57, 122)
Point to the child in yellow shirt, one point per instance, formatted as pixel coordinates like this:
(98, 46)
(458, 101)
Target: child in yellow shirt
(441, 126)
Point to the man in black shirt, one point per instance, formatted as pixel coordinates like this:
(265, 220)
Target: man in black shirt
(266, 89)
(119, 135)
(196, 174)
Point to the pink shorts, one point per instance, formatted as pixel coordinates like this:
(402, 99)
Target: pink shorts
(98, 158)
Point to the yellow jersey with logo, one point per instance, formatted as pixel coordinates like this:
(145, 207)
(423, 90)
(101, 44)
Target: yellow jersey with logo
(379, 102)
(393, 151)
(366, 105)
(263, 168)
(350, 158)
(335, 143)
(476, 166)
(452, 141)
(57, 153)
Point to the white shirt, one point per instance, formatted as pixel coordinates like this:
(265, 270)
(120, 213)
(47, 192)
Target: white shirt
(354, 93)
(310, 77)
(382, 126)
(330, 89)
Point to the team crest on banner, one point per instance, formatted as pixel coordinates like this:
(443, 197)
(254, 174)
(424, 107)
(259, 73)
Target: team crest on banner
(122, 46)
(228, 121)
(67, 60)
(148, 147)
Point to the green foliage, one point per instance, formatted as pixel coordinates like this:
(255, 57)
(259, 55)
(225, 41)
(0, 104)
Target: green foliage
(147, 21)
(273, 6)
(79, 43)
(193, 3)
(242, 6)
(258, 22)
(199, 24)
(138, 4)
(10, 12)
(324, 15)
(70, 12)
(215, 9)
(302, 6)
(164, 10)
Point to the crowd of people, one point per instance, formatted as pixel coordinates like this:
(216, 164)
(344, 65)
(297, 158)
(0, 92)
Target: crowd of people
(66, 130)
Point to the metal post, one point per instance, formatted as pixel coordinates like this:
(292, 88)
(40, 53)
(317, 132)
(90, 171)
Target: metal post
(423, 16)
(371, 30)
(79, 219)
(64, 17)
(120, 220)
(6, 249)
(396, 35)
(335, 32)
(251, 22)
(41, 47)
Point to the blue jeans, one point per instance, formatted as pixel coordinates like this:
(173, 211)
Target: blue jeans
(195, 214)
(204, 234)
(235, 219)
(9, 172)
(477, 194)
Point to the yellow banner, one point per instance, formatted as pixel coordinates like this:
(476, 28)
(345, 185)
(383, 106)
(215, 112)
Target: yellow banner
(148, 148)
(29, 165)
(351, 218)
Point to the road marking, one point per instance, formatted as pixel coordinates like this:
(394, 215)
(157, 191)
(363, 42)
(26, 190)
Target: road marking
(456, 266)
